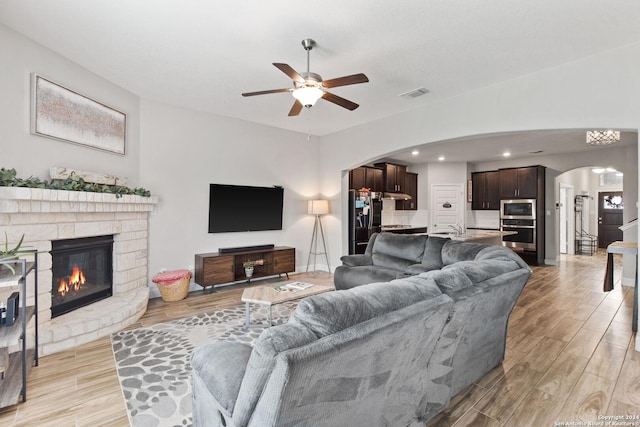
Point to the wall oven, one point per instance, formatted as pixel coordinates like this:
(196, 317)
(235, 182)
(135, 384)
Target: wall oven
(525, 233)
(518, 209)
(519, 217)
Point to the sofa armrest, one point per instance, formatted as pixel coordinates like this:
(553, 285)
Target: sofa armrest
(221, 367)
(356, 260)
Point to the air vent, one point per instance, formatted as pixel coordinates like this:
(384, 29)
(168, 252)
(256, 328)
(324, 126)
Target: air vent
(536, 152)
(414, 93)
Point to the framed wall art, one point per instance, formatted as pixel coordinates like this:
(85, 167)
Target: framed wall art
(65, 115)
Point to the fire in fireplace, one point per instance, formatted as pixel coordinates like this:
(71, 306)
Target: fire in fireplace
(82, 272)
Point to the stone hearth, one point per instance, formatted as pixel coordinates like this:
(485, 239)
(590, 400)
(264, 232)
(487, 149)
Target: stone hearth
(47, 215)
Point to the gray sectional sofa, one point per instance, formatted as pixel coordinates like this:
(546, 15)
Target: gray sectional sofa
(390, 256)
(380, 354)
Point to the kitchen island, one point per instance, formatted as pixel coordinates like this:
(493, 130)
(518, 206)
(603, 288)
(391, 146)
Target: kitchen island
(403, 229)
(489, 237)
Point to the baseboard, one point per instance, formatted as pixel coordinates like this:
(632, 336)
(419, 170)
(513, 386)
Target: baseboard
(628, 281)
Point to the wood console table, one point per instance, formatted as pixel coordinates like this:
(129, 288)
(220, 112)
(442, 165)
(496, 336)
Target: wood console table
(630, 248)
(217, 268)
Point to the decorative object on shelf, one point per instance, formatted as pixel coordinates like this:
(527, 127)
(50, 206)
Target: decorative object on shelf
(8, 178)
(65, 115)
(63, 173)
(317, 207)
(249, 266)
(248, 271)
(602, 137)
(173, 285)
(7, 254)
(13, 308)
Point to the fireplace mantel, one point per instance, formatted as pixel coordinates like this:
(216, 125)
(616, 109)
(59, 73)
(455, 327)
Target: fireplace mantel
(45, 215)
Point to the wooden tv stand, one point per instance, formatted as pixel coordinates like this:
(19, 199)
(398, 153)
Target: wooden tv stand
(217, 268)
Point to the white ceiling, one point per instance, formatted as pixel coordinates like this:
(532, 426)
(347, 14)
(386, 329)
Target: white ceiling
(202, 55)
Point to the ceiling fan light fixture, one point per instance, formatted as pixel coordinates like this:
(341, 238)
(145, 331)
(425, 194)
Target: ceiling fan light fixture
(602, 137)
(307, 95)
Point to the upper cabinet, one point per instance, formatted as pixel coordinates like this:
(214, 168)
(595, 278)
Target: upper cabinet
(394, 177)
(366, 177)
(521, 183)
(411, 188)
(485, 190)
(488, 188)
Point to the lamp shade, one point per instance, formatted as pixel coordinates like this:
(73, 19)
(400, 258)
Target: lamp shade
(318, 207)
(307, 95)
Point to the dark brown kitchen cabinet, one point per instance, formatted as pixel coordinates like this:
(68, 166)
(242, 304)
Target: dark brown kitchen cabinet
(367, 177)
(394, 177)
(521, 183)
(411, 185)
(485, 190)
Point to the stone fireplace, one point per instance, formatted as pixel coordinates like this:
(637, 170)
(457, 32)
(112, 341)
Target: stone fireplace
(48, 216)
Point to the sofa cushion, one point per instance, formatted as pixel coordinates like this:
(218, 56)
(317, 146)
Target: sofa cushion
(448, 280)
(398, 251)
(331, 312)
(479, 271)
(454, 251)
(432, 257)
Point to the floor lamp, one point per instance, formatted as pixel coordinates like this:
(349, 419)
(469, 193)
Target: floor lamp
(317, 208)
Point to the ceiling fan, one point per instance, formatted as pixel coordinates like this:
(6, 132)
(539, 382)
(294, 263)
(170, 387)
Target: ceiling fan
(309, 87)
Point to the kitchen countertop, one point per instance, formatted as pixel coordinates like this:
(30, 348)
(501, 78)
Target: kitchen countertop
(476, 235)
(399, 228)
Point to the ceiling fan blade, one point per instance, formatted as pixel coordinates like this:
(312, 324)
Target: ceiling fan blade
(265, 92)
(293, 74)
(346, 80)
(345, 103)
(295, 110)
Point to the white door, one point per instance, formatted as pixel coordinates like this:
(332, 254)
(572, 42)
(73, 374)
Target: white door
(447, 207)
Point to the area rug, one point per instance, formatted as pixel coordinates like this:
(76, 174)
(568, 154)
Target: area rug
(154, 363)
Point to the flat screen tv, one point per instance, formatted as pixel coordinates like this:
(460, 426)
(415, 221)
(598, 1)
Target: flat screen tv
(243, 208)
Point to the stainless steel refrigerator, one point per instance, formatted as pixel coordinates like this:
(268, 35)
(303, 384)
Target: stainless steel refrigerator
(365, 218)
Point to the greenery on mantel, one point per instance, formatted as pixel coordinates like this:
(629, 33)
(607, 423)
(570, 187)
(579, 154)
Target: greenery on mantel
(8, 178)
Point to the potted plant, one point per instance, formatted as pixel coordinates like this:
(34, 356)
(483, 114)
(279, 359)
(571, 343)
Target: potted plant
(10, 254)
(249, 265)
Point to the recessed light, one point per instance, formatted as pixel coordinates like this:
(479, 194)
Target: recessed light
(441, 158)
(506, 154)
(415, 152)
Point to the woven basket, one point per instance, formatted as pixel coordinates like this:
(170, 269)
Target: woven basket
(175, 291)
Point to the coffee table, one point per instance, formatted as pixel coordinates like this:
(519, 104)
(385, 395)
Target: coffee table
(270, 296)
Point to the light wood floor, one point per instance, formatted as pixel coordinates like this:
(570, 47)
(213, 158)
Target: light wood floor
(570, 357)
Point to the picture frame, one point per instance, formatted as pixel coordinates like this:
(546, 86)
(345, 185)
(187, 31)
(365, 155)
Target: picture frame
(60, 113)
(469, 191)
